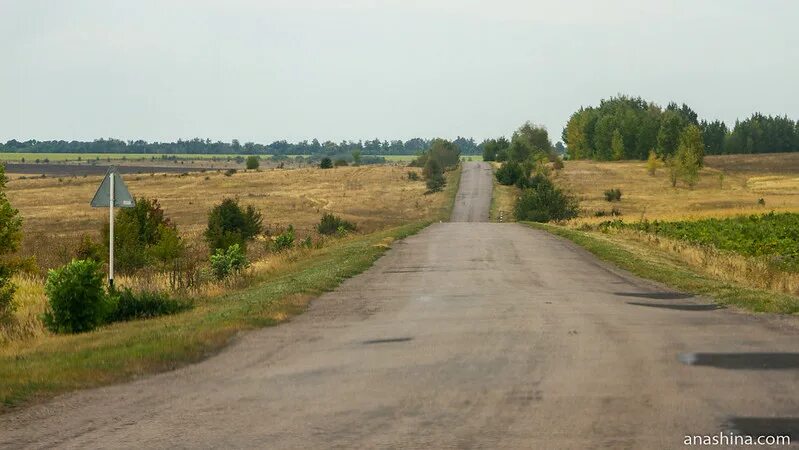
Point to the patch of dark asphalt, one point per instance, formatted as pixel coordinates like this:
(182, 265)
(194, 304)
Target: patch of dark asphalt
(765, 426)
(742, 361)
(679, 307)
(387, 340)
(655, 295)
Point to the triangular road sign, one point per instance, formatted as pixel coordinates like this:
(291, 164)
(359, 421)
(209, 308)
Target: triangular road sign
(122, 197)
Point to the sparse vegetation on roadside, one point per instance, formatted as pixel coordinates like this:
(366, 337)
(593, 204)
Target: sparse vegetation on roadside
(128, 305)
(332, 224)
(283, 241)
(56, 364)
(229, 261)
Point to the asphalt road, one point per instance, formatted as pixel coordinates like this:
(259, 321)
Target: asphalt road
(467, 335)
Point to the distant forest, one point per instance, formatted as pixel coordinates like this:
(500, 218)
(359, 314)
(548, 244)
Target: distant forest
(628, 128)
(206, 146)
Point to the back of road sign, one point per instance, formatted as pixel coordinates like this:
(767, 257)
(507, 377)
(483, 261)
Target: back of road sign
(122, 197)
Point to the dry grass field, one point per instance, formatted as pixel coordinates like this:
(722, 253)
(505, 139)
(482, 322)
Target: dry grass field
(56, 211)
(728, 185)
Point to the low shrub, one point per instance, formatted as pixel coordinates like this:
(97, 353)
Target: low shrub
(283, 241)
(341, 162)
(330, 224)
(602, 213)
(77, 299)
(227, 262)
(545, 202)
(253, 162)
(509, 173)
(230, 172)
(130, 306)
(613, 195)
(413, 175)
(326, 163)
(436, 184)
(7, 290)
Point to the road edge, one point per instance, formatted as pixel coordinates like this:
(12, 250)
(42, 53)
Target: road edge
(660, 267)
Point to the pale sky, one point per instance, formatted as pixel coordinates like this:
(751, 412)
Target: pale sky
(298, 69)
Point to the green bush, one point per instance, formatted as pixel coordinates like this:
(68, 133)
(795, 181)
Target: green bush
(284, 240)
(7, 290)
(136, 231)
(130, 306)
(253, 162)
(227, 262)
(432, 168)
(340, 162)
(77, 300)
(10, 237)
(613, 195)
(330, 224)
(413, 175)
(510, 173)
(436, 184)
(229, 223)
(326, 163)
(544, 202)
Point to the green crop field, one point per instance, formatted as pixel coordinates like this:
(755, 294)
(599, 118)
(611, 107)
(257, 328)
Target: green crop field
(772, 235)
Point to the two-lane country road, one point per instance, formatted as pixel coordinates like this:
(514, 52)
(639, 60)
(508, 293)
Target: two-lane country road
(467, 335)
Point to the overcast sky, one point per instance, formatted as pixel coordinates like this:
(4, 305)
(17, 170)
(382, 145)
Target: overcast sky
(297, 69)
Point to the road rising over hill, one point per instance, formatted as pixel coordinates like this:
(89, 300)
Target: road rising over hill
(469, 334)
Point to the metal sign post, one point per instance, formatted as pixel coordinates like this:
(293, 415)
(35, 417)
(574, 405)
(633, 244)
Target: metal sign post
(111, 232)
(111, 193)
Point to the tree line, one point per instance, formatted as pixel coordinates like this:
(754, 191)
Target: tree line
(415, 146)
(630, 128)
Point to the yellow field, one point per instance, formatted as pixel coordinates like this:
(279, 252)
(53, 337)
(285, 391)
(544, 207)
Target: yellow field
(56, 212)
(728, 185)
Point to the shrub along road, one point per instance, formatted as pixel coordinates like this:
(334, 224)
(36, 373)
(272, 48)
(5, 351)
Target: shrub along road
(465, 335)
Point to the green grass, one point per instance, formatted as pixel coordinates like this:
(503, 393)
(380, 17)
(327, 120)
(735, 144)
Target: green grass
(118, 352)
(766, 235)
(662, 267)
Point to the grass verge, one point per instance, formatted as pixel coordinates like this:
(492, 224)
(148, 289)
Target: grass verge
(657, 265)
(50, 365)
(57, 364)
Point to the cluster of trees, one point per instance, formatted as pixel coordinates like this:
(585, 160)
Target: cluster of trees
(441, 156)
(10, 237)
(467, 146)
(629, 128)
(525, 157)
